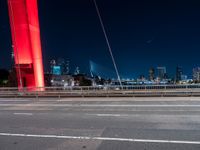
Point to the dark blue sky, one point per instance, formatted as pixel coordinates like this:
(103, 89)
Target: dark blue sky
(142, 33)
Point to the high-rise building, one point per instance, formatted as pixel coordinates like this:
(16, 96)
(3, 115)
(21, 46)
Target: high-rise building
(61, 63)
(151, 74)
(67, 67)
(52, 64)
(161, 73)
(179, 73)
(196, 74)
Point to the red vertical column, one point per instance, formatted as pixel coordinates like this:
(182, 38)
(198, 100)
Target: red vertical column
(34, 30)
(25, 31)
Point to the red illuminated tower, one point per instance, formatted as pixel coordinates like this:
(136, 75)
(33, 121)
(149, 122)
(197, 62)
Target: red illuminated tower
(25, 31)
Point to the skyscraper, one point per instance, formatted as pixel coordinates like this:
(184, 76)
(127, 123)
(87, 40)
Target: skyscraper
(67, 67)
(179, 73)
(52, 64)
(161, 73)
(62, 65)
(196, 74)
(151, 74)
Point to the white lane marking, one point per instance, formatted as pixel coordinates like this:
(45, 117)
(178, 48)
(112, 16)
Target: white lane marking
(101, 138)
(15, 100)
(27, 114)
(118, 100)
(103, 105)
(108, 115)
(99, 105)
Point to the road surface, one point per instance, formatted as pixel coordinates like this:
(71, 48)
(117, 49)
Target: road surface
(100, 124)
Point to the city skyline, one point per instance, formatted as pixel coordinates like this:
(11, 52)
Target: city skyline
(142, 34)
(62, 66)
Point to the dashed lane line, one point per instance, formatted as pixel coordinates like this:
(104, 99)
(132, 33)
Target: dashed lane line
(26, 114)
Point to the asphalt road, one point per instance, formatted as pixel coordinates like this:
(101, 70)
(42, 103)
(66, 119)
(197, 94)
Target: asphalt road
(100, 124)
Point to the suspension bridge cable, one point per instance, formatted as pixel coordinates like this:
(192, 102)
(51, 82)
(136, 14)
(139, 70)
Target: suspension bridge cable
(107, 41)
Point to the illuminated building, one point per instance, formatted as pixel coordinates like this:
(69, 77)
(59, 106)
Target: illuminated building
(56, 70)
(179, 73)
(62, 65)
(161, 73)
(52, 64)
(151, 74)
(196, 74)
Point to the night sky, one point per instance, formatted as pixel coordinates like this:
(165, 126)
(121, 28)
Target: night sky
(142, 34)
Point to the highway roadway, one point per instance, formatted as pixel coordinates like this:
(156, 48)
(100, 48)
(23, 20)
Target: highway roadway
(162, 123)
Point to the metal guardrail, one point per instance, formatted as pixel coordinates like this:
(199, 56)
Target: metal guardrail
(104, 91)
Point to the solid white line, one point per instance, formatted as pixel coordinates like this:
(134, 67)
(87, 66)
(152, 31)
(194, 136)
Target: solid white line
(101, 138)
(27, 114)
(126, 105)
(15, 100)
(97, 105)
(174, 110)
